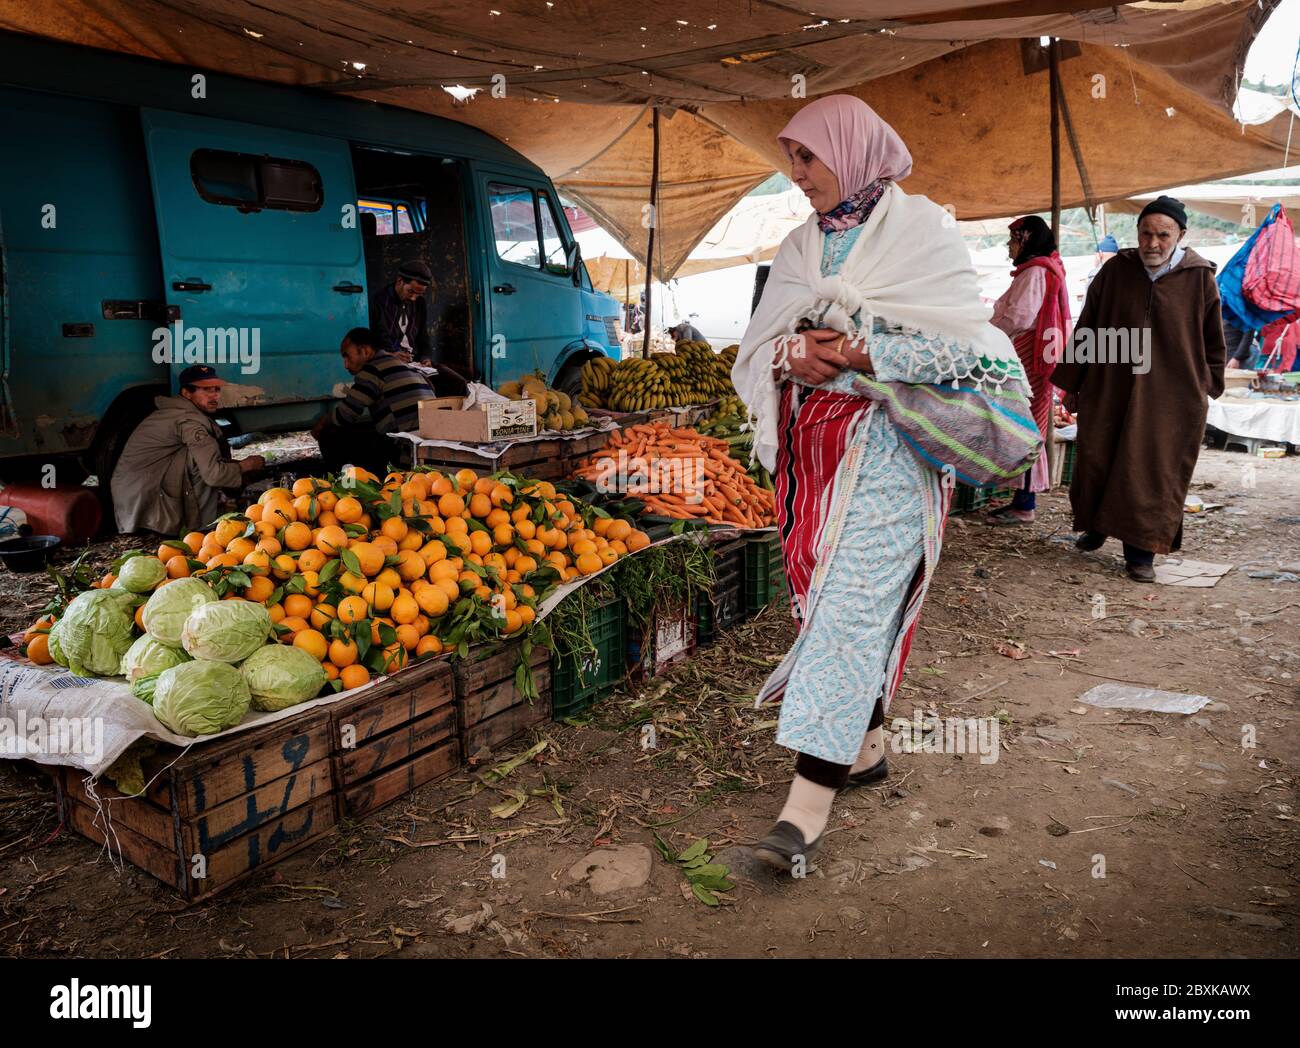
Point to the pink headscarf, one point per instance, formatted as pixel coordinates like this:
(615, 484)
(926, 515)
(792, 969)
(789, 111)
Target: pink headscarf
(846, 135)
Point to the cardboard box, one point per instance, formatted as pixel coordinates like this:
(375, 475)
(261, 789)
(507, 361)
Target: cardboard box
(444, 419)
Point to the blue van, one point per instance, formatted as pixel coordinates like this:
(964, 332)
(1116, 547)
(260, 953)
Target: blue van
(152, 215)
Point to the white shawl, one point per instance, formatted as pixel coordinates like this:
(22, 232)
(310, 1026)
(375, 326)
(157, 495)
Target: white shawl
(909, 266)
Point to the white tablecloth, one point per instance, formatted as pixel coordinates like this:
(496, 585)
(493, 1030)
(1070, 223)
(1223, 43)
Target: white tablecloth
(1263, 418)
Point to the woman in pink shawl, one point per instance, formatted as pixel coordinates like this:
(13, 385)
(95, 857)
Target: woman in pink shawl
(860, 514)
(1035, 314)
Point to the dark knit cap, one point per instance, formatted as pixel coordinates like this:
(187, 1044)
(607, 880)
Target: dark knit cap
(416, 270)
(1166, 205)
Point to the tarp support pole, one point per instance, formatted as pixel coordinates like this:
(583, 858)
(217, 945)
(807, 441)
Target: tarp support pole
(650, 241)
(1054, 64)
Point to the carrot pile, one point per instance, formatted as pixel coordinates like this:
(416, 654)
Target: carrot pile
(678, 472)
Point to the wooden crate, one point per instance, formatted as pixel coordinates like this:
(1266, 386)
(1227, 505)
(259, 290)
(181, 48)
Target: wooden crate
(220, 811)
(490, 709)
(395, 737)
(538, 459)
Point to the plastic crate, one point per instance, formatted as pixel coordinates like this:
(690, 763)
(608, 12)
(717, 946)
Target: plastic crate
(579, 680)
(764, 572)
(725, 605)
(1067, 468)
(667, 639)
(966, 499)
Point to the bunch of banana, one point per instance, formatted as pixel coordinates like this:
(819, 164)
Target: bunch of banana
(555, 410)
(696, 375)
(597, 377)
(638, 384)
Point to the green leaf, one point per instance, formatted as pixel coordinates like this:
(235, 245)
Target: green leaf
(240, 578)
(360, 633)
(704, 895)
(477, 525)
(516, 799)
(708, 870)
(387, 634)
(716, 884)
(297, 584)
(662, 848)
(695, 851)
(395, 504)
(419, 524)
(394, 558)
(276, 596)
(350, 561)
(462, 649)
(330, 569)
(178, 546)
(195, 565)
(354, 530)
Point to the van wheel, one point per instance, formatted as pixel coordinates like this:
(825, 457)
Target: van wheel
(569, 379)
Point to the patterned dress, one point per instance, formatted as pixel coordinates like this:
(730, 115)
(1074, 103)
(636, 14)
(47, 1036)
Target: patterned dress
(856, 548)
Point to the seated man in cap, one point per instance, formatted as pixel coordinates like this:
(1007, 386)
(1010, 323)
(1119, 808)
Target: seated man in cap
(177, 462)
(399, 314)
(384, 398)
(1146, 355)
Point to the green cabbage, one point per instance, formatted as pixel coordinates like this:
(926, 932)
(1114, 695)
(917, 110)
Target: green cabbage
(170, 605)
(140, 574)
(148, 656)
(279, 676)
(200, 697)
(143, 687)
(56, 645)
(95, 633)
(226, 631)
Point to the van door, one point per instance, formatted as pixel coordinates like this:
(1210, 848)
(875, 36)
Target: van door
(536, 310)
(261, 251)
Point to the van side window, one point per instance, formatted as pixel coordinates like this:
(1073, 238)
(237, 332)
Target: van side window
(552, 243)
(386, 213)
(251, 183)
(514, 224)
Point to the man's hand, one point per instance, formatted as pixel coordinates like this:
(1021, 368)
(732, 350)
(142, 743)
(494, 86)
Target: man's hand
(855, 352)
(403, 355)
(252, 464)
(812, 355)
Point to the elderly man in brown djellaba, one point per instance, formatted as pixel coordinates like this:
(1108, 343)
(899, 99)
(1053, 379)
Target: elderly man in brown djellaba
(1146, 354)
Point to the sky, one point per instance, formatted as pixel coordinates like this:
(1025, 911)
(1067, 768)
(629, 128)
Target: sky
(1273, 54)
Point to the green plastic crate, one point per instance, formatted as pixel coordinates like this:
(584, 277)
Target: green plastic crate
(725, 606)
(577, 682)
(1067, 468)
(764, 572)
(966, 499)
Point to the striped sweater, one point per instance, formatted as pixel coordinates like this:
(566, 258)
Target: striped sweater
(387, 391)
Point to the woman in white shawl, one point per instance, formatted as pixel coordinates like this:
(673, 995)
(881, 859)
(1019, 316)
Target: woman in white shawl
(880, 283)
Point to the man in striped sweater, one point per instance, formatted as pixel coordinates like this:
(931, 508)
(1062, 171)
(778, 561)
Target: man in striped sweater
(384, 398)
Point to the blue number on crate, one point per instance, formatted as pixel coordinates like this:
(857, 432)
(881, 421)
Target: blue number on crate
(294, 751)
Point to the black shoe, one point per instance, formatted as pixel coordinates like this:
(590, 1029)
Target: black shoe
(779, 848)
(1089, 541)
(1140, 572)
(878, 772)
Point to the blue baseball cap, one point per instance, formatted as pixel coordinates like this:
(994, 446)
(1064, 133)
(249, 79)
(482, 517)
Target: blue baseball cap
(1107, 243)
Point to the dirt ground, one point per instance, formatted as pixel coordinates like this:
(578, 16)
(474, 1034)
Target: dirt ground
(1095, 833)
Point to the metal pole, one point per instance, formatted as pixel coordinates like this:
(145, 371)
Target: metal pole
(1054, 63)
(650, 241)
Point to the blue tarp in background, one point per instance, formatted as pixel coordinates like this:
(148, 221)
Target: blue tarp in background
(1239, 309)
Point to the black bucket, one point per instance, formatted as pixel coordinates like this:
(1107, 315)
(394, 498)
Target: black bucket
(28, 552)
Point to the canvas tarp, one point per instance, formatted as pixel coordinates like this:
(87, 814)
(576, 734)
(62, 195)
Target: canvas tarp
(579, 79)
(1240, 202)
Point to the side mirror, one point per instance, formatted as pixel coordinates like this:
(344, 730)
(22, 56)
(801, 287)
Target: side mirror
(572, 259)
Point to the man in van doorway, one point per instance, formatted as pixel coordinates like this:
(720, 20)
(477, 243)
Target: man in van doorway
(400, 314)
(383, 398)
(176, 463)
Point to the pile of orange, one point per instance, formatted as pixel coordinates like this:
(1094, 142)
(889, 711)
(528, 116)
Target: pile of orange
(404, 571)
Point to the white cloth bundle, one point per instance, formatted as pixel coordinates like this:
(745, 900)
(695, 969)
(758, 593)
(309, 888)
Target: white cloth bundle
(909, 266)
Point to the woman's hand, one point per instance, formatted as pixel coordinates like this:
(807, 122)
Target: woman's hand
(813, 356)
(855, 352)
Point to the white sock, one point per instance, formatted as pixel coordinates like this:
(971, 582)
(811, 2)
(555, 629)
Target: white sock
(873, 748)
(808, 807)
